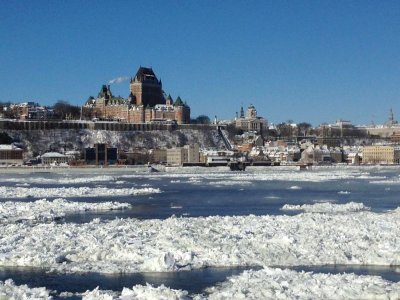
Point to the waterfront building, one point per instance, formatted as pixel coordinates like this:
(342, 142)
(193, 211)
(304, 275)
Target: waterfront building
(185, 154)
(10, 155)
(176, 156)
(146, 103)
(55, 158)
(101, 155)
(381, 154)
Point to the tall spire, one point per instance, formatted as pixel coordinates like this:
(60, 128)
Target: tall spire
(241, 112)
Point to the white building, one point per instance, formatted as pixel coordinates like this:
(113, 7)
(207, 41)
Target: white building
(55, 158)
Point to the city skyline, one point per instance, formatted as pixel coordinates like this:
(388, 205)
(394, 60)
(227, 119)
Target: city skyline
(303, 61)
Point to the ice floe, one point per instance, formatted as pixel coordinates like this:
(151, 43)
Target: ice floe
(327, 207)
(229, 183)
(62, 180)
(295, 187)
(45, 210)
(131, 245)
(35, 192)
(271, 283)
(9, 290)
(344, 192)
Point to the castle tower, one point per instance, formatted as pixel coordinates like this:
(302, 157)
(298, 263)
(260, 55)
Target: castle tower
(146, 88)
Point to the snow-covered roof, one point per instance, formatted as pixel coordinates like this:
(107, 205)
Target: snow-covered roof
(53, 154)
(9, 147)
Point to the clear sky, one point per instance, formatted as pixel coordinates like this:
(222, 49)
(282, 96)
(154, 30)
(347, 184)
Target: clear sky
(314, 61)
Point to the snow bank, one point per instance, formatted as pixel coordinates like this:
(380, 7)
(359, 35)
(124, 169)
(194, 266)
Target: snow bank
(327, 207)
(9, 290)
(131, 245)
(44, 210)
(271, 283)
(23, 192)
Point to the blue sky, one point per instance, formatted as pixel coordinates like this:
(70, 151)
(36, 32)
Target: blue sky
(313, 61)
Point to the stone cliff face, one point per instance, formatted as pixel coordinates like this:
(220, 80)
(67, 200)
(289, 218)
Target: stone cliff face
(41, 141)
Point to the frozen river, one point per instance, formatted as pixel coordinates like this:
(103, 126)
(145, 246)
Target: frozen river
(198, 229)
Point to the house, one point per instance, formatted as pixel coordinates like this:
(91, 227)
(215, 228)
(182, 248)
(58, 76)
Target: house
(50, 158)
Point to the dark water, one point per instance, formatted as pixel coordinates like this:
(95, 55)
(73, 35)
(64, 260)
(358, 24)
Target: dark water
(201, 196)
(204, 198)
(193, 281)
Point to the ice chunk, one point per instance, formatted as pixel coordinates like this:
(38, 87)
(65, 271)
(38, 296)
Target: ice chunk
(9, 290)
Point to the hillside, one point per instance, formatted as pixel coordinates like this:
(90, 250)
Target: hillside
(41, 141)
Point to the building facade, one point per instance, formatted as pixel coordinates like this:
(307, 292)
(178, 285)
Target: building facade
(381, 155)
(55, 158)
(181, 155)
(101, 155)
(146, 103)
(250, 122)
(10, 155)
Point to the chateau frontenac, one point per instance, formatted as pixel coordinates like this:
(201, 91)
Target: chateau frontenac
(146, 103)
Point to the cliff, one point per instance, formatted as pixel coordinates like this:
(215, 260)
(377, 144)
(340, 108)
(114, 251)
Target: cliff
(41, 141)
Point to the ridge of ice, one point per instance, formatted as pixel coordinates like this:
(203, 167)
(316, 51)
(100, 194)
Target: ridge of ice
(327, 207)
(23, 192)
(45, 210)
(131, 245)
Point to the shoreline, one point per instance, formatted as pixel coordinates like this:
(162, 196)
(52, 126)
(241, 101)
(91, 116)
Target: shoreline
(168, 169)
